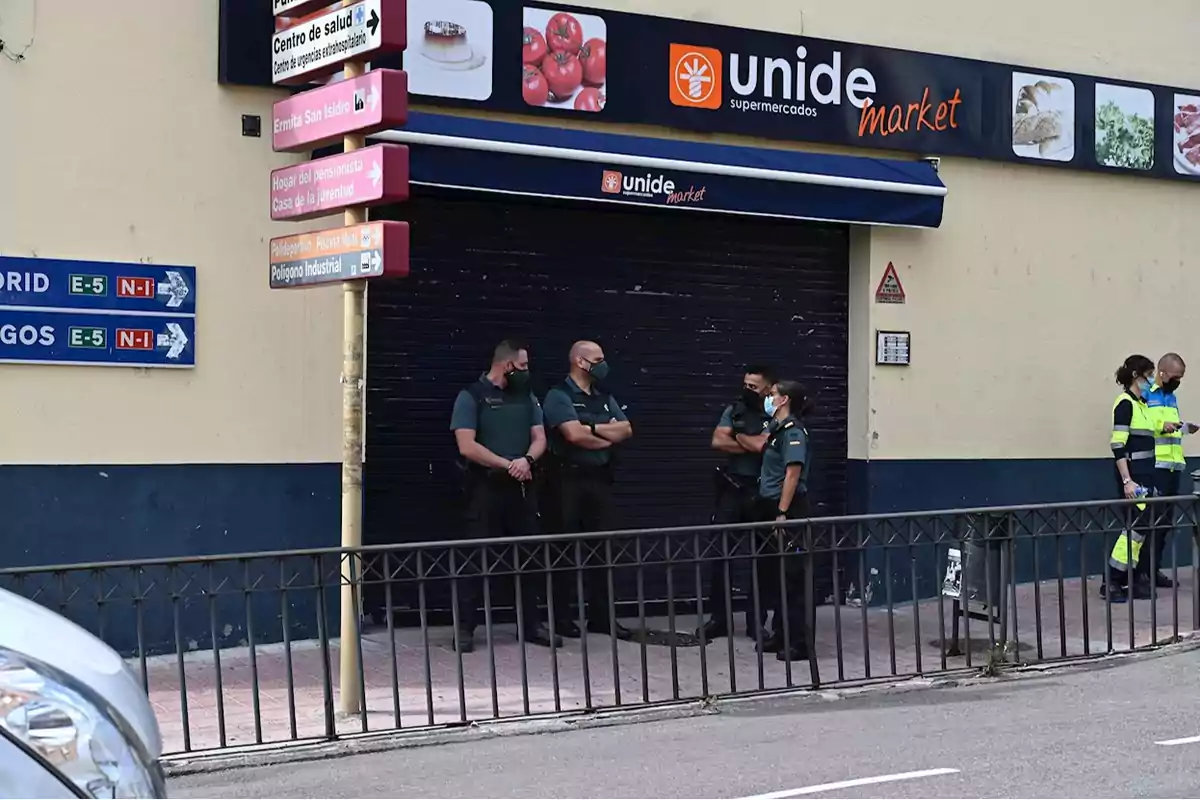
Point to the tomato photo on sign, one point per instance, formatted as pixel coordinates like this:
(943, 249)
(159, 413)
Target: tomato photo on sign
(534, 88)
(594, 57)
(569, 51)
(564, 74)
(533, 47)
(589, 99)
(564, 34)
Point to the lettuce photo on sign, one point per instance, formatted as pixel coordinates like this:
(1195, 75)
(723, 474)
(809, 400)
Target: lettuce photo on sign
(1124, 127)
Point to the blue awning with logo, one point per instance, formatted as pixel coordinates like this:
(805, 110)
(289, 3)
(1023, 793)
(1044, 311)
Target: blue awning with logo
(540, 161)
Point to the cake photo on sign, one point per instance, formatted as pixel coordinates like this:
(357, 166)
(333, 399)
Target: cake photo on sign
(446, 44)
(449, 49)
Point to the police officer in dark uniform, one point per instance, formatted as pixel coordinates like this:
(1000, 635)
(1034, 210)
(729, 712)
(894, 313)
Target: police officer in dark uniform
(497, 424)
(586, 423)
(741, 435)
(783, 495)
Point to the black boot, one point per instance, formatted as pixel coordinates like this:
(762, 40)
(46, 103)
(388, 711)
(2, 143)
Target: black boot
(540, 634)
(796, 653)
(772, 645)
(715, 628)
(464, 640)
(568, 630)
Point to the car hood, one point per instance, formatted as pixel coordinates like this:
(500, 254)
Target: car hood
(35, 631)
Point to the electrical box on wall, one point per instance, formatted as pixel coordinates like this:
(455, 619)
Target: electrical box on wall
(893, 348)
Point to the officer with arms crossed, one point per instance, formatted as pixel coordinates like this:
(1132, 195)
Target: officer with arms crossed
(741, 435)
(586, 423)
(783, 495)
(497, 424)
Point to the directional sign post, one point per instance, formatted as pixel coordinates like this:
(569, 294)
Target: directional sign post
(322, 116)
(96, 313)
(318, 47)
(371, 250)
(362, 178)
(363, 102)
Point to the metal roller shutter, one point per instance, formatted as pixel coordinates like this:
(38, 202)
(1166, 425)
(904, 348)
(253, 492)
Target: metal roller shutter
(679, 300)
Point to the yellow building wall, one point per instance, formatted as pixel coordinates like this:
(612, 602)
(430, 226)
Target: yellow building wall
(1014, 300)
(119, 145)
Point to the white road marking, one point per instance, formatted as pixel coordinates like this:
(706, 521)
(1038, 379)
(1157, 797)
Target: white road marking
(1173, 742)
(829, 787)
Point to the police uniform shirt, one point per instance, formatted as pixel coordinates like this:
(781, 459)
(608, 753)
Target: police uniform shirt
(787, 445)
(753, 422)
(500, 419)
(567, 403)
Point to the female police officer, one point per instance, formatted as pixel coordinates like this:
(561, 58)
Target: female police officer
(782, 496)
(1133, 450)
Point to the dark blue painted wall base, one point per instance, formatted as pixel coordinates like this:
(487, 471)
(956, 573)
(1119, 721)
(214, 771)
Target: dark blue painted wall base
(74, 514)
(885, 487)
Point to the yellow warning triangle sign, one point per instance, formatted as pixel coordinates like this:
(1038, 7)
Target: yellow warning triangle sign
(890, 289)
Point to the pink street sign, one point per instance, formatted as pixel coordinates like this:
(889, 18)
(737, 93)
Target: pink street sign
(369, 177)
(374, 102)
(357, 252)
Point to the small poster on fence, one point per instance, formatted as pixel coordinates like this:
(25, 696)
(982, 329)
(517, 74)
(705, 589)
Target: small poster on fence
(952, 584)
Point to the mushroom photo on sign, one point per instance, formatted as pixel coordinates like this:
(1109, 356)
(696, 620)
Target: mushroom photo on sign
(564, 57)
(1043, 120)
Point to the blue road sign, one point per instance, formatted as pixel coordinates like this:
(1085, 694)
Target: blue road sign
(130, 288)
(38, 336)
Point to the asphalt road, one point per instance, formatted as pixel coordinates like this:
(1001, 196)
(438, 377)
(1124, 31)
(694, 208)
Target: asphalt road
(1079, 734)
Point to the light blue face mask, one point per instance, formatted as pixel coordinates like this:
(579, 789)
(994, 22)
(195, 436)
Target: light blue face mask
(1143, 386)
(769, 405)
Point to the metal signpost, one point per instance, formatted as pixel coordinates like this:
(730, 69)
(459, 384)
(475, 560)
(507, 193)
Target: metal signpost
(342, 39)
(55, 311)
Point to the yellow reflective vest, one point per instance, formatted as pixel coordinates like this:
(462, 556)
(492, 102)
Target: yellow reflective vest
(1168, 447)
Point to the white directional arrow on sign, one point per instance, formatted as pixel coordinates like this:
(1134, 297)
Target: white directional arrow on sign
(174, 339)
(376, 260)
(376, 173)
(373, 99)
(175, 288)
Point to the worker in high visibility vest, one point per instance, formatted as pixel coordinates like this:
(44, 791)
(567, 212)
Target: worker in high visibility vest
(1169, 461)
(1133, 450)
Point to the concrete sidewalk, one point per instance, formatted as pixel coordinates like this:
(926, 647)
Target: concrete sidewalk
(413, 684)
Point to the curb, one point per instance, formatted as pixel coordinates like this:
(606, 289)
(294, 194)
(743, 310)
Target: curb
(366, 743)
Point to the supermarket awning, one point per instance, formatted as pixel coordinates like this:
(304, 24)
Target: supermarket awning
(541, 161)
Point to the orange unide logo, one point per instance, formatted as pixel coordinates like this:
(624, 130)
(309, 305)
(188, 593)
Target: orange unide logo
(696, 74)
(611, 182)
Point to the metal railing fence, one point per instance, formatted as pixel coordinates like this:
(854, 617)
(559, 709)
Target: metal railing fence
(241, 649)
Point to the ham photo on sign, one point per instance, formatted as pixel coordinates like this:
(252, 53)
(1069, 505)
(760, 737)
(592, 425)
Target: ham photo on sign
(1187, 134)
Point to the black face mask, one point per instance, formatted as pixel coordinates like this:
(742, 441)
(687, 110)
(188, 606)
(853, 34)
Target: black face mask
(752, 399)
(518, 380)
(1170, 386)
